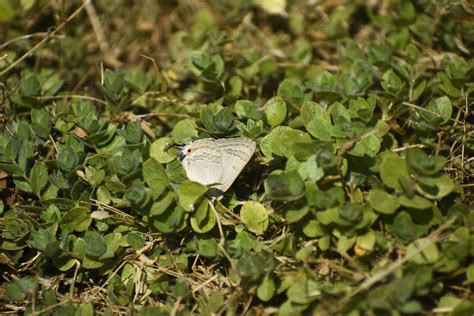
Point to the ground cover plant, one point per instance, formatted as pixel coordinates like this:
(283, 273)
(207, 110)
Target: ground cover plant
(357, 201)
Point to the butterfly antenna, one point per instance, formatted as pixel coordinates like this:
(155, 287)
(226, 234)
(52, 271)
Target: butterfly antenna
(169, 146)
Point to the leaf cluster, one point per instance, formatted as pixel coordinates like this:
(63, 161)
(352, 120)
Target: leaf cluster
(356, 201)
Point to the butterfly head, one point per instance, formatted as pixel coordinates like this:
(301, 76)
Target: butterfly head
(187, 151)
(184, 151)
(181, 150)
(201, 147)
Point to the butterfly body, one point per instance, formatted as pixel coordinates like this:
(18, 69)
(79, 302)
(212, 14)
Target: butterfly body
(216, 162)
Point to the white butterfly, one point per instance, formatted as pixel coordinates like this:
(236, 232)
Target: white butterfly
(216, 162)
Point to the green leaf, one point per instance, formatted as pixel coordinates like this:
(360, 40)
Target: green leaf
(208, 248)
(158, 152)
(138, 196)
(161, 206)
(383, 202)
(21, 289)
(248, 109)
(94, 244)
(291, 92)
(217, 119)
(421, 164)
(235, 84)
(313, 229)
(295, 215)
(412, 53)
(250, 267)
(22, 184)
(304, 292)
(189, 193)
(371, 145)
(25, 155)
(392, 170)
(94, 176)
(77, 219)
(405, 229)
(132, 133)
(85, 310)
(266, 289)
(30, 86)
(155, 176)
(470, 272)
(41, 238)
(136, 241)
(361, 109)
(326, 86)
(171, 220)
(284, 186)
(11, 168)
(203, 219)
(275, 111)
(430, 254)
(441, 110)
(67, 160)
(41, 122)
(254, 216)
(392, 83)
(184, 131)
(7, 13)
(281, 140)
(435, 188)
(416, 202)
(365, 243)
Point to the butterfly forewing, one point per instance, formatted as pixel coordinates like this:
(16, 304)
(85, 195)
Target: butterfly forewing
(236, 153)
(203, 162)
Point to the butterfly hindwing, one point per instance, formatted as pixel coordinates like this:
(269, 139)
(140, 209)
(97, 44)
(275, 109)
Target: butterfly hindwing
(236, 153)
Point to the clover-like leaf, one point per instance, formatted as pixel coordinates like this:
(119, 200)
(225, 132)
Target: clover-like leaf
(255, 216)
(189, 193)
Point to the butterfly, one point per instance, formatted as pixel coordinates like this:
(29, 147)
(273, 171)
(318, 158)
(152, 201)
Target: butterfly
(216, 162)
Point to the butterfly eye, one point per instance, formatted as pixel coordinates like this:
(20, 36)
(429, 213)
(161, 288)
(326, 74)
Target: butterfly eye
(189, 151)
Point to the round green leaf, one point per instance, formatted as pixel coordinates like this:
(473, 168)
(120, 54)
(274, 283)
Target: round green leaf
(275, 111)
(184, 131)
(94, 244)
(266, 289)
(440, 111)
(291, 92)
(77, 219)
(366, 242)
(204, 219)
(442, 186)
(189, 193)
(155, 176)
(171, 220)
(470, 272)
(248, 109)
(383, 202)
(392, 169)
(158, 152)
(429, 254)
(416, 202)
(304, 292)
(135, 241)
(316, 120)
(254, 216)
(282, 138)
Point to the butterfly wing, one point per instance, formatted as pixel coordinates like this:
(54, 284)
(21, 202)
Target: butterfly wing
(202, 161)
(236, 153)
